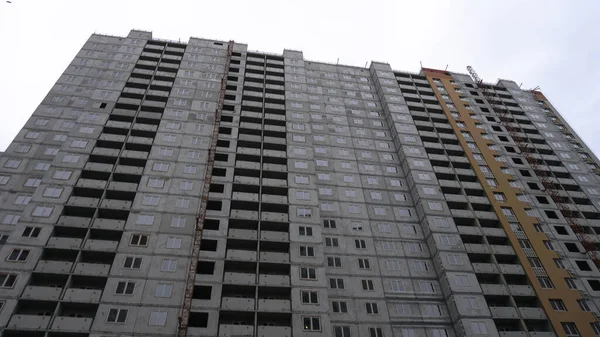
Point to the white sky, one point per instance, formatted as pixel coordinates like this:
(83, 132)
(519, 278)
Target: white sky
(551, 44)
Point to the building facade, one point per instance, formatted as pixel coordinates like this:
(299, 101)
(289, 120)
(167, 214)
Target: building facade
(344, 201)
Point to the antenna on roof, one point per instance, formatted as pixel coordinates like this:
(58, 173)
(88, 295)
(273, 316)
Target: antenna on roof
(421, 63)
(338, 61)
(446, 67)
(520, 85)
(366, 63)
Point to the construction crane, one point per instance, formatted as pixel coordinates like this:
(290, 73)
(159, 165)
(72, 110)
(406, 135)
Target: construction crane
(549, 183)
(190, 280)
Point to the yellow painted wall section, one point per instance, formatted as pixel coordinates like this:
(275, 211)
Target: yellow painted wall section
(574, 313)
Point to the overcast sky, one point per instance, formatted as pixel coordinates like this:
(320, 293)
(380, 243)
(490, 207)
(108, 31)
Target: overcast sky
(551, 44)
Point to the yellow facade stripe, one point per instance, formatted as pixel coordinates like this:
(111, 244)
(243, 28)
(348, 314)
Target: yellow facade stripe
(574, 313)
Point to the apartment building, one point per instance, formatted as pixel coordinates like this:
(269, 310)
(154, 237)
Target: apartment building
(344, 201)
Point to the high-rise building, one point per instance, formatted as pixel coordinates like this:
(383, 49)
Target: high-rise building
(344, 201)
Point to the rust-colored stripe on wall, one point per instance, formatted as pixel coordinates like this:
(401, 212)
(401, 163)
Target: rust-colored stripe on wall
(574, 313)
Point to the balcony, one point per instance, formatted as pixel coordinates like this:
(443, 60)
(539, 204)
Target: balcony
(438, 146)
(247, 125)
(93, 269)
(477, 248)
(494, 289)
(512, 269)
(116, 204)
(424, 133)
(247, 234)
(504, 312)
(470, 185)
(469, 230)
(478, 200)
(239, 278)
(576, 194)
(274, 199)
(271, 331)
(521, 290)
(486, 215)
(63, 243)
(134, 154)
(138, 80)
(55, 267)
(466, 172)
(524, 334)
(274, 257)
(145, 72)
(450, 146)
(124, 112)
(494, 232)
(274, 140)
(537, 334)
(72, 323)
(83, 201)
(240, 255)
(244, 196)
(151, 103)
(455, 197)
(586, 208)
(234, 330)
(41, 293)
(29, 322)
(272, 216)
(102, 245)
(132, 101)
(82, 295)
(244, 179)
(450, 183)
(91, 183)
(162, 83)
(486, 268)
(274, 182)
(108, 224)
(274, 305)
(502, 250)
(532, 313)
(274, 236)
(165, 74)
(73, 221)
(440, 169)
(99, 167)
(440, 157)
(102, 151)
(122, 186)
(274, 280)
(274, 167)
(236, 303)
(274, 153)
(241, 214)
(129, 169)
(140, 140)
(248, 150)
(144, 127)
(462, 213)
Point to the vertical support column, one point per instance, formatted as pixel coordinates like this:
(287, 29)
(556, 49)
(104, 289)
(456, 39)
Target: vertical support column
(309, 296)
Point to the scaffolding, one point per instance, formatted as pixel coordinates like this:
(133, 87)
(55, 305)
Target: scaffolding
(550, 184)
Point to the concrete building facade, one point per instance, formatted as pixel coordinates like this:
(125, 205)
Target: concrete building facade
(344, 202)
